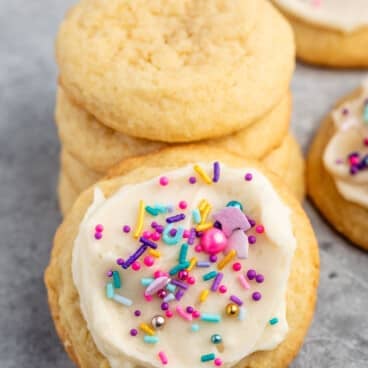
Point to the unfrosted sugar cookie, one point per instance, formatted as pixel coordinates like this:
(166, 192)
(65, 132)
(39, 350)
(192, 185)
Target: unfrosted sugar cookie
(329, 32)
(338, 167)
(196, 263)
(175, 71)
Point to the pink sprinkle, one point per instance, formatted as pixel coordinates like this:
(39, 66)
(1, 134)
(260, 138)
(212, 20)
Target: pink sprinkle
(354, 160)
(146, 234)
(365, 141)
(237, 266)
(191, 280)
(169, 314)
(243, 282)
(222, 289)
(183, 314)
(160, 273)
(155, 236)
(136, 266)
(99, 228)
(186, 234)
(163, 358)
(164, 180)
(196, 314)
(218, 362)
(260, 229)
(148, 298)
(183, 205)
(149, 261)
(198, 248)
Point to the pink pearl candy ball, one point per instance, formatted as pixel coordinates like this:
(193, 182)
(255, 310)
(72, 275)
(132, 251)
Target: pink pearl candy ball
(149, 261)
(213, 241)
(218, 362)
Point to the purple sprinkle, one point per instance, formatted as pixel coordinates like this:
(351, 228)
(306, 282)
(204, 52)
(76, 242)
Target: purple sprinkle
(217, 225)
(120, 261)
(252, 239)
(179, 294)
(160, 229)
(148, 242)
(164, 306)
(126, 228)
(216, 172)
(179, 284)
(98, 236)
(345, 111)
(248, 177)
(109, 273)
(199, 234)
(154, 224)
(137, 313)
(192, 180)
(236, 300)
(133, 332)
(175, 218)
(353, 171)
(213, 258)
(173, 232)
(251, 274)
(256, 296)
(134, 256)
(189, 309)
(259, 278)
(192, 236)
(203, 264)
(251, 222)
(217, 281)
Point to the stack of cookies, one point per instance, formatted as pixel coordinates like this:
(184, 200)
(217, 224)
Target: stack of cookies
(139, 76)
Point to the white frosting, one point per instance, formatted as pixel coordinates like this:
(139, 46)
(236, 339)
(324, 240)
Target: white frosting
(350, 131)
(109, 322)
(340, 14)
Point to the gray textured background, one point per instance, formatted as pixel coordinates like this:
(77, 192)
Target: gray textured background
(29, 212)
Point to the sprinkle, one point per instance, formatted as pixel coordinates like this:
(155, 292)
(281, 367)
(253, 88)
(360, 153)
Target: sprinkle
(110, 290)
(203, 264)
(192, 263)
(183, 314)
(209, 276)
(150, 339)
(259, 278)
(179, 294)
(202, 174)
(202, 204)
(139, 225)
(237, 266)
(257, 296)
(365, 114)
(178, 267)
(152, 211)
(217, 281)
(133, 332)
(154, 253)
(172, 240)
(98, 236)
(207, 357)
(192, 236)
(137, 313)
(175, 218)
(243, 282)
(147, 329)
(170, 297)
(195, 327)
(123, 300)
(148, 243)
(134, 256)
(227, 259)
(204, 227)
(248, 177)
(236, 300)
(145, 281)
(126, 229)
(216, 172)
(179, 284)
(164, 180)
(99, 228)
(241, 315)
(203, 295)
(161, 208)
(163, 358)
(273, 321)
(183, 253)
(171, 287)
(213, 318)
(192, 180)
(222, 289)
(156, 285)
(218, 362)
(251, 274)
(196, 215)
(205, 213)
(116, 279)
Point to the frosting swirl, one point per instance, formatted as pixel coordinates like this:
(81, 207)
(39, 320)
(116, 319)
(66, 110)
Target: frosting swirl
(244, 313)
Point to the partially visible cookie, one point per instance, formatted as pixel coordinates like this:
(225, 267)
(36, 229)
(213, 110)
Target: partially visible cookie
(329, 32)
(337, 179)
(175, 71)
(67, 194)
(70, 308)
(99, 147)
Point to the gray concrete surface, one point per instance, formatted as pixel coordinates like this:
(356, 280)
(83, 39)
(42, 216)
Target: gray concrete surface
(29, 212)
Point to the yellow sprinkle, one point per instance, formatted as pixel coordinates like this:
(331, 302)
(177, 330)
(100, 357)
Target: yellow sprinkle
(192, 263)
(154, 253)
(226, 259)
(203, 295)
(204, 227)
(139, 226)
(147, 329)
(205, 213)
(202, 205)
(202, 174)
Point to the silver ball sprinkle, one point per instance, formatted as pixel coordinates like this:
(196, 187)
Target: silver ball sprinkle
(158, 322)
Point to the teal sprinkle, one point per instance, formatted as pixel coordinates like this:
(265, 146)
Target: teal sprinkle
(161, 208)
(365, 114)
(196, 215)
(183, 253)
(195, 327)
(116, 279)
(110, 290)
(150, 339)
(235, 204)
(171, 288)
(146, 281)
(178, 267)
(274, 321)
(172, 240)
(152, 211)
(209, 276)
(207, 357)
(214, 318)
